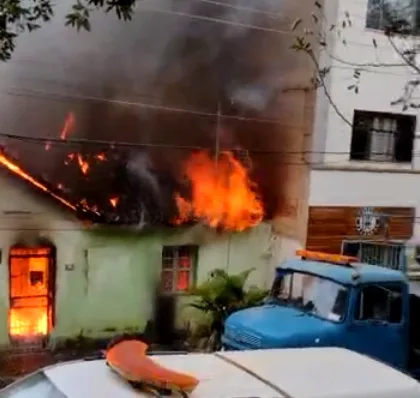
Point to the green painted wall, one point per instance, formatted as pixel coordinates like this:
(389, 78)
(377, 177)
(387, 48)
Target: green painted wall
(106, 278)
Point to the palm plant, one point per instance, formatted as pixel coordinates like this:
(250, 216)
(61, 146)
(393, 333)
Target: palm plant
(221, 295)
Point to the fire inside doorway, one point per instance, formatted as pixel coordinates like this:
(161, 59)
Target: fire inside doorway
(31, 293)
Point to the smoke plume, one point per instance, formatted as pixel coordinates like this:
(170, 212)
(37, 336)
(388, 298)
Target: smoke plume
(159, 80)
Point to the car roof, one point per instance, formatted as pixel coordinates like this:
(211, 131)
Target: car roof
(217, 378)
(367, 273)
(282, 373)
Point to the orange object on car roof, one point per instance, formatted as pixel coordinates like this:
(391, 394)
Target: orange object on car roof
(330, 258)
(129, 360)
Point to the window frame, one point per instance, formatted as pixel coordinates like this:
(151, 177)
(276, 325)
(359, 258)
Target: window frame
(292, 273)
(413, 14)
(361, 137)
(370, 321)
(175, 269)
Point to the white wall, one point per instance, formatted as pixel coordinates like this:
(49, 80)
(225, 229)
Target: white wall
(378, 86)
(334, 179)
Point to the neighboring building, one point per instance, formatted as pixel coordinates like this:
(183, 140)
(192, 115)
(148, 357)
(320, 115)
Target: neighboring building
(365, 175)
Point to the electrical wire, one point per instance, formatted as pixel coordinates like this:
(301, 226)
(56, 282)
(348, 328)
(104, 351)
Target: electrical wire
(72, 97)
(251, 10)
(174, 109)
(217, 20)
(107, 143)
(249, 26)
(84, 98)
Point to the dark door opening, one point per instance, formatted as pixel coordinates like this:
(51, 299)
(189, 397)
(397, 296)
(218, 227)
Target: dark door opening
(32, 282)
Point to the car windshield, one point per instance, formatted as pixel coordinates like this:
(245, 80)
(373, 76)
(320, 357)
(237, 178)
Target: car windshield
(37, 385)
(312, 294)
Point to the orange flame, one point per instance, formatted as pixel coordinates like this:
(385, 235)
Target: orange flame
(222, 194)
(93, 208)
(18, 171)
(28, 322)
(101, 157)
(83, 164)
(28, 315)
(70, 157)
(114, 201)
(69, 124)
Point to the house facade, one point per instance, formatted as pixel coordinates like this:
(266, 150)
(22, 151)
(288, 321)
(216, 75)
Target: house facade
(365, 170)
(62, 278)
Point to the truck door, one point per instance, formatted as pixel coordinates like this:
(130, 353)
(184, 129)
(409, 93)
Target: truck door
(377, 326)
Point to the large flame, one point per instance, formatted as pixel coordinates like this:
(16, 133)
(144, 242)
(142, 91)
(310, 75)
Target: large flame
(14, 168)
(222, 193)
(28, 322)
(29, 292)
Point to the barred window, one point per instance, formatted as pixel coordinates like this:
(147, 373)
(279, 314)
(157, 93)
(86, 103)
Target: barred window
(382, 137)
(400, 14)
(178, 268)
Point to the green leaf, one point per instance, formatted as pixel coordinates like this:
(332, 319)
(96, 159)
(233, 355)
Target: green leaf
(222, 294)
(86, 25)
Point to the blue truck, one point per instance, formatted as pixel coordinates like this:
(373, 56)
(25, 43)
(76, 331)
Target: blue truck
(320, 299)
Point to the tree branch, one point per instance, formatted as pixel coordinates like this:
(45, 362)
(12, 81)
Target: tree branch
(325, 89)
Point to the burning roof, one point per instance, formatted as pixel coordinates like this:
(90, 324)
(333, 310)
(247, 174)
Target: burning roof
(221, 79)
(222, 194)
(214, 190)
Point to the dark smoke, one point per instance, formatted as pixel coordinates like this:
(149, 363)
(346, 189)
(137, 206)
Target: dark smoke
(169, 58)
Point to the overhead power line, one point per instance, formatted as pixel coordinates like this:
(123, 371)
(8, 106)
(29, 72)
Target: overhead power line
(217, 20)
(108, 143)
(235, 7)
(164, 108)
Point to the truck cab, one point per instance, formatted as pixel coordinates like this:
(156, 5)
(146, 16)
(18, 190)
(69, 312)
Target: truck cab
(333, 300)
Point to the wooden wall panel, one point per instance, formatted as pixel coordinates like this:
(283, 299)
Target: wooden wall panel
(329, 226)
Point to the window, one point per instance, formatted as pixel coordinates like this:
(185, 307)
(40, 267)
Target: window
(312, 294)
(382, 137)
(178, 268)
(399, 15)
(385, 255)
(380, 303)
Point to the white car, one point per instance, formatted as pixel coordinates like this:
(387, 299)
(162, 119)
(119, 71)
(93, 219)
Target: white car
(281, 373)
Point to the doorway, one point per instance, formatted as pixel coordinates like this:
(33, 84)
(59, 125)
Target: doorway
(32, 288)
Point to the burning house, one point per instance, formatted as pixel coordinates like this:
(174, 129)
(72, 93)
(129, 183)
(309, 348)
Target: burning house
(147, 152)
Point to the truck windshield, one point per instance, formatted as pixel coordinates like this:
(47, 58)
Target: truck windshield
(313, 294)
